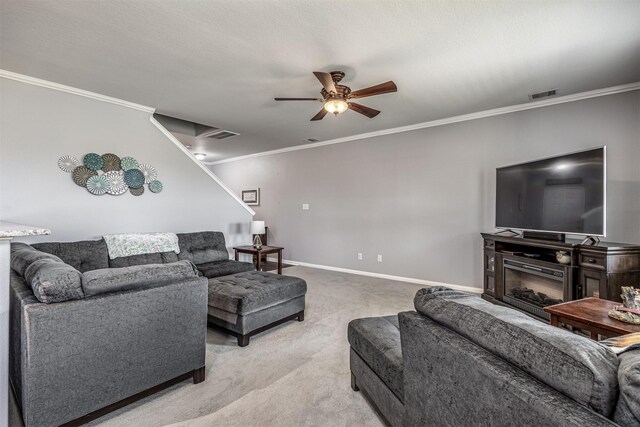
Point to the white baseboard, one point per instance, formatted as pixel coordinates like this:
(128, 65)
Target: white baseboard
(381, 276)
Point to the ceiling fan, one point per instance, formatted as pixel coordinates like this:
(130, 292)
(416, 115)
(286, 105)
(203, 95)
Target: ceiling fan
(336, 97)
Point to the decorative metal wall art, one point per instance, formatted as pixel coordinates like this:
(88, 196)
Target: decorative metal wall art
(68, 163)
(110, 174)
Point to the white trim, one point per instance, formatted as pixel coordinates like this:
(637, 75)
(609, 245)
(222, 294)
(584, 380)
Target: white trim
(68, 89)
(75, 91)
(456, 119)
(199, 163)
(381, 276)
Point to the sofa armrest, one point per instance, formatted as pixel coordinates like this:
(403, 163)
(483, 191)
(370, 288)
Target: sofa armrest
(80, 356)
(450, 381)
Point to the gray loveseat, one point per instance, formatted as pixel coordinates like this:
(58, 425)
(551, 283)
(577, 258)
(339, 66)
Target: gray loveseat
(458, 360)
(89, 332)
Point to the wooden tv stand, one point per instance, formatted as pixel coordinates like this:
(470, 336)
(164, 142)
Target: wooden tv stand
(598, 270)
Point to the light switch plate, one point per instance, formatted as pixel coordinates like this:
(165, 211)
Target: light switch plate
(305, 206)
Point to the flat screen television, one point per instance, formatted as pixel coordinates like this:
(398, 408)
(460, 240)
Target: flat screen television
(563, 194)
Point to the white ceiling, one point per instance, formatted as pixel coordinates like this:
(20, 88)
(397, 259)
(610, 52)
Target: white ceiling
(221, 63)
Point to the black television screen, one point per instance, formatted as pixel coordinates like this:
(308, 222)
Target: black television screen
(564, 194)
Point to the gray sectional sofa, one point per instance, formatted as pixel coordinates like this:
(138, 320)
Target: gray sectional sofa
(459, 360)
(89, 333)
(205, 249)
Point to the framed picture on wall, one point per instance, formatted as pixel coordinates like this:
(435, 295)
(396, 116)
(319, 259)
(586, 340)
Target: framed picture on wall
(251, 197)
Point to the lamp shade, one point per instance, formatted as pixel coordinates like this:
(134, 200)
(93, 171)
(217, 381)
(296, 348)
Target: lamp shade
(257, 227)
(336, 105)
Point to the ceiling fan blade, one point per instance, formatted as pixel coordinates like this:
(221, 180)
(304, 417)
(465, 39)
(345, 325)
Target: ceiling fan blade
(369, 112)
(320, 115)
(387, 87)
(298, 99)
(326, 80)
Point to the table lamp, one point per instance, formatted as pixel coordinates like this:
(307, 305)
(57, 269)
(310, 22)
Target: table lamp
(257, 228)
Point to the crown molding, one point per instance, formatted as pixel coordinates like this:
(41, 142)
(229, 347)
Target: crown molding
(72, 90)
(80, 92)
(441, 122)
(450, 120)
(208, 171)
(422, 282)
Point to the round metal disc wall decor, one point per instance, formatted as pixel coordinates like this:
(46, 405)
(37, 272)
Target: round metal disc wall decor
(81, 174)
(149, 173)
(136, 191)
(116, 180)
(155, 186)
(111, 174)
(68, 163)
(93, 161)
(111, 162)
(98, 185)
(134, 178)
(128, 163)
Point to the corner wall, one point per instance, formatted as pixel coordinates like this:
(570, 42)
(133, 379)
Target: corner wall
(38, 125)
(421, 198)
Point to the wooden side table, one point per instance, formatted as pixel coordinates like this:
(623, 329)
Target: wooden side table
(590, 314)
(258, 253)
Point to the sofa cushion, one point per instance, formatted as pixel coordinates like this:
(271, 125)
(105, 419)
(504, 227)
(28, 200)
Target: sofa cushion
(143, 259)
(628, 409)
(248, 292)
(223, 268)
(202, 247)
(54, 281)
(84, 256)
(96, 282)
(23, 255)
(576, 366)
(377, 342)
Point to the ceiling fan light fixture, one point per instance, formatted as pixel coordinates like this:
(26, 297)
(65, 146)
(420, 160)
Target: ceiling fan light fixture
(335, 97)
(336, 105)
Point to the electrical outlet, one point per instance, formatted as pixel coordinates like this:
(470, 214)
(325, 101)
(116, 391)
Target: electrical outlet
(379, 258)
(305, 206)
(359, 256)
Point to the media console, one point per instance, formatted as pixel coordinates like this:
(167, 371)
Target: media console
(525, 274)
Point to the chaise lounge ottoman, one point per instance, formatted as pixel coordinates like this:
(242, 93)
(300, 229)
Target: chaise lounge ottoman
(248, 303)
(376, 364)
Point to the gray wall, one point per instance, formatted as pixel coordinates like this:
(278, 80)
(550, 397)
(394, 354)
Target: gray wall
(38, 125)
(421, 198)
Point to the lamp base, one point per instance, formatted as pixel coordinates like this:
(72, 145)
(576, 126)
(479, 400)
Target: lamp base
(257, 242)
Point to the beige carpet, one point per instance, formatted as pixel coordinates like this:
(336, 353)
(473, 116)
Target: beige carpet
(294, 375)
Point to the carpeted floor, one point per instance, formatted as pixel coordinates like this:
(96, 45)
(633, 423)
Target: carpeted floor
(294, 375)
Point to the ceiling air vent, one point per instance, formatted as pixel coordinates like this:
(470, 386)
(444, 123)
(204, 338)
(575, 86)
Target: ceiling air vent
(218, 134)
(545, 94)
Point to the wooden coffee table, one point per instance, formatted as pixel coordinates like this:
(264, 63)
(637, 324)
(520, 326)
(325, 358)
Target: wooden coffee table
(257, 253)
(590, 314)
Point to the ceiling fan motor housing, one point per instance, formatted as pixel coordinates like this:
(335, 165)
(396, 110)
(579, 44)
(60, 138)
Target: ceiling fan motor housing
(343, 92)
(336, 76)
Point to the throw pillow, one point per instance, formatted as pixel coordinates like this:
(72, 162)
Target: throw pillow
(22, 255)
(96, 282)
(54, 281)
